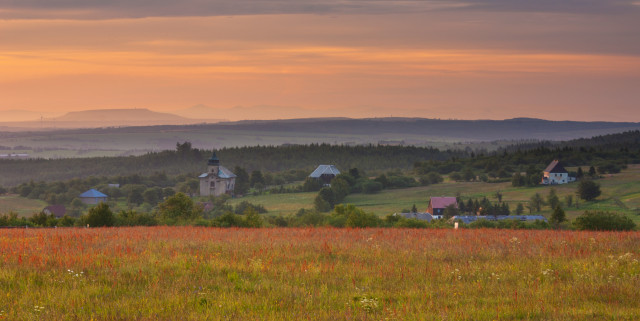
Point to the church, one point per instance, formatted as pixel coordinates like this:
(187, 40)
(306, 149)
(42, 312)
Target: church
(217, 180)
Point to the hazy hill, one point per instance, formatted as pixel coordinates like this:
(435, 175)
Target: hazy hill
(20, 115)
(268, 112)
(106, 118)
(438, 129)
(112, 115)
(407, 131)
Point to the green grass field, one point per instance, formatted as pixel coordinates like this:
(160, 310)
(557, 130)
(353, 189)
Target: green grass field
(21, 206)
(620, 193)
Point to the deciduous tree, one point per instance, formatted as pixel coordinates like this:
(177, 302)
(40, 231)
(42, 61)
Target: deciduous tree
(588, 190)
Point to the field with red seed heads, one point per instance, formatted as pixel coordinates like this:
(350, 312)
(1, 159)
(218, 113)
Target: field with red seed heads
(191, 273)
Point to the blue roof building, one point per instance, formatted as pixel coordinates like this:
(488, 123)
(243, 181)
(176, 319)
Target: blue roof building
(92, 196)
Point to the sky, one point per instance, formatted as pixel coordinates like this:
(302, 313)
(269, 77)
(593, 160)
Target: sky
(449, 59)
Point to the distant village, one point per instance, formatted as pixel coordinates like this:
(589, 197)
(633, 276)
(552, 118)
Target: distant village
(219, 180)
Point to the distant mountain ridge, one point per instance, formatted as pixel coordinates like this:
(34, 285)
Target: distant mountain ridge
(118, 114)
(464, 130)
(109, 118)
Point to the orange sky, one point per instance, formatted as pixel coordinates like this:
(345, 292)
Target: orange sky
(437, 59)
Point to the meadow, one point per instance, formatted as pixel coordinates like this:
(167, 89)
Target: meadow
(20, 205)
(620, 193)
(191, 273)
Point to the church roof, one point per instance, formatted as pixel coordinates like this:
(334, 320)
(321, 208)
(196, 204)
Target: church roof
(555, 167)
(223, 172)
(92, 193)
(325, 169)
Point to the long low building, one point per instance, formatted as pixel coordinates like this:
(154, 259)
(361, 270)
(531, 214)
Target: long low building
(466, 219)
(418, 216)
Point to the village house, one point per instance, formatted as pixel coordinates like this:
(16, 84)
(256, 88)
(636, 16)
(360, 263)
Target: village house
(57, 210)
(218, 180)
(92, 196)
(555, 173)
(325, 173)
(418, 216)
(438, 204)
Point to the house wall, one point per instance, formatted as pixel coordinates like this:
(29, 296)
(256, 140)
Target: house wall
(92, 200)
(556, 178)
(204, 187)
(221, 186)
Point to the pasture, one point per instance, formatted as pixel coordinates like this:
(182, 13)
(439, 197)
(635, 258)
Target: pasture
(620, 193)
(20, 205)
(190, 273)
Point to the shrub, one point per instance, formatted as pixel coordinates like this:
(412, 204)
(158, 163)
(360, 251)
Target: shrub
(310, 218)
(482, 223)
(371, 187)
(100, 215)
(133, 218)
(252, 218)
(603, 221)
(558, 216)
(243, 206)
(588, 190)
(311, 185)
(179, 207)
(353, 217)
(411, 223)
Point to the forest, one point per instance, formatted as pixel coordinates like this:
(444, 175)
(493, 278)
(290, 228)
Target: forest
(612, 151)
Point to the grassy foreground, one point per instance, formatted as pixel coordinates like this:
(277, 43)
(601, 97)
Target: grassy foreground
(190, 273)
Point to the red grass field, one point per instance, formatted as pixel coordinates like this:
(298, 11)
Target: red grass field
(190, 273)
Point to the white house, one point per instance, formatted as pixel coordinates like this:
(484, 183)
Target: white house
(217, 180)
(556, 174)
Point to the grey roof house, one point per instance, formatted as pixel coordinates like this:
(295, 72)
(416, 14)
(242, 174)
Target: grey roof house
(325, 173)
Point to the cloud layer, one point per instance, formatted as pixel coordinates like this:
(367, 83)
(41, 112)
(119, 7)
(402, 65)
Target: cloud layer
(115, 9)
(449, 59)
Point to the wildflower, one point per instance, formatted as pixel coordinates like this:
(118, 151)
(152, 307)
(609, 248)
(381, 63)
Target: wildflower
(369, 304)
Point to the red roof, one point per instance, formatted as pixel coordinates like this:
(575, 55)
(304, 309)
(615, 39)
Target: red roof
(56, 210)
(442, 202)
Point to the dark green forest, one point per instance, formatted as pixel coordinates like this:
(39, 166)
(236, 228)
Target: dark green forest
(192, 161)
(608, 153)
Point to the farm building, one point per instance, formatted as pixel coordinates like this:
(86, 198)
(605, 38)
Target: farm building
(57, 210)
(418, 216)
(217, 180)
(555, 173)
(466, 219)
(325, 173)
(438, 204)
(92, 196)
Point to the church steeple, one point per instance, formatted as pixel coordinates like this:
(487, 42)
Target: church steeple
(214, 161)
(213, 164)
